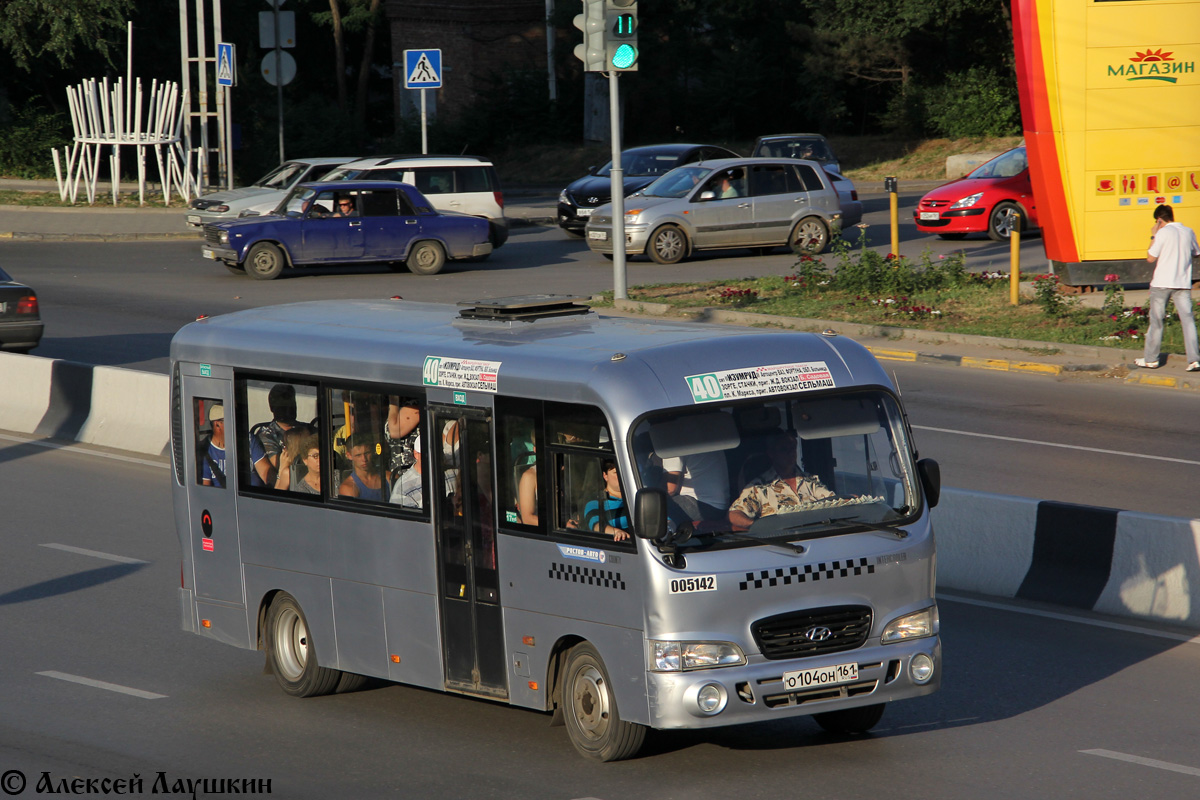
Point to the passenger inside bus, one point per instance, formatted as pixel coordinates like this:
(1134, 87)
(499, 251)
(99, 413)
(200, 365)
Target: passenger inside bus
(526, 479)
(300, 463)
(367, 481)
(609, 514)
(782, 487)
(402, 434)
(281, 399)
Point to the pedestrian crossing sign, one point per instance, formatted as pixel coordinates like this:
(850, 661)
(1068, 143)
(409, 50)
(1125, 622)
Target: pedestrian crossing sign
(422, 69)
(225, 64)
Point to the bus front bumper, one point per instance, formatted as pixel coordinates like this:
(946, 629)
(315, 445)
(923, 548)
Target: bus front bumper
(755, 691)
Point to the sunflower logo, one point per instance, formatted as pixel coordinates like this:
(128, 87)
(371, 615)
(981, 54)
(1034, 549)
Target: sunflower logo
(1153, 55)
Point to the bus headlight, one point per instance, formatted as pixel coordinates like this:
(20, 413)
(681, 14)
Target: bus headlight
(681, 656)
(912, 626)
(921, 669)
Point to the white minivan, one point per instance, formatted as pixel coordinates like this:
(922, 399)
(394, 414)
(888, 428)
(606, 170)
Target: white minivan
(465, 184)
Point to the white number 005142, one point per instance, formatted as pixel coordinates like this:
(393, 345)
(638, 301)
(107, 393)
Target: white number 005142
(705, 583)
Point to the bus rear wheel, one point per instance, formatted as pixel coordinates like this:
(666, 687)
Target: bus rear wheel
(851, 720)
(590, 709)
(291, 653)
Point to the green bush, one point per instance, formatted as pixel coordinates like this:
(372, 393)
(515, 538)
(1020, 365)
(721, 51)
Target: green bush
(871, 272)
(26, 139)
(975, 103)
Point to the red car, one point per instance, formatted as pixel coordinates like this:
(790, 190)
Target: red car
(985, 201)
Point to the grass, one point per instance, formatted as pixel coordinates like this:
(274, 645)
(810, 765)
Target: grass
(14, 197)
(950, 301)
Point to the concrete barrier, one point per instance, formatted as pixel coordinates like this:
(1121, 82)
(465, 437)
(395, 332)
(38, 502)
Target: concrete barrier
(1123, 563)
(108, 406)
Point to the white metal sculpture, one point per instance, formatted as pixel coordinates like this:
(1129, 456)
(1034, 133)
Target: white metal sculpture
(104, 115)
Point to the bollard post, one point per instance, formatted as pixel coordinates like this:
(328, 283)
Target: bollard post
(1014, 259)
(892, 187)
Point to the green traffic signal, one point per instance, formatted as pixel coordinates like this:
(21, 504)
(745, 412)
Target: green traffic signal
(625, 26)
(625, 56)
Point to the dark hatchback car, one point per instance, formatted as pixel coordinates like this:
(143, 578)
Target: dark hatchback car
(20, 321)
(340, 222)
(642, 166)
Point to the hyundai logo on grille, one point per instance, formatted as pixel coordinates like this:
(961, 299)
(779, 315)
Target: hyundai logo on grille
(818, 634)
(593, 200)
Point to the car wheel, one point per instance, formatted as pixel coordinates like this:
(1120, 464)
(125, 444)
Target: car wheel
(264, 262)
(851, 720)
(291, 654)
(590, 709)
(809, 237)
(236, 269)
(954, 237)
(1002, 219)
(426, 258)
(668, 245)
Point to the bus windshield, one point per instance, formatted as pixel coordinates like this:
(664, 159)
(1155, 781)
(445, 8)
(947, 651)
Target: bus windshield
(780, 469)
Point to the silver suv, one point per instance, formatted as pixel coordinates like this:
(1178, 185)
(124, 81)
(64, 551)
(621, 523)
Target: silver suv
(263, 195)
(731, 202)
(465, 184)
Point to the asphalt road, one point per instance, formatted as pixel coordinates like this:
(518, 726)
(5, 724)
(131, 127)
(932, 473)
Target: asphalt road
(97, 681)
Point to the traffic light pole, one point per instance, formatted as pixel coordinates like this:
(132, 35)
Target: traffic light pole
(617, 188)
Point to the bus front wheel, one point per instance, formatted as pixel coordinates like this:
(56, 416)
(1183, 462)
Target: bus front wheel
(593, 723)
(291, 653)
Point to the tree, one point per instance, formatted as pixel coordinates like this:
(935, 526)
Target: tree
(358, 16)
(31, 30)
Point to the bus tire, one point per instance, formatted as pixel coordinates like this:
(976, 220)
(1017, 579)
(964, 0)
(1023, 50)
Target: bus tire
(851, 720)
(264, 262)
(426, 258)
(590, 709)
(291, 653)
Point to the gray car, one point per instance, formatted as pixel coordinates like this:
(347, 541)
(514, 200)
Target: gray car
(732, 202)
(263, 195)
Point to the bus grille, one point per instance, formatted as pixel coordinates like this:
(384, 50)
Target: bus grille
(799, 634)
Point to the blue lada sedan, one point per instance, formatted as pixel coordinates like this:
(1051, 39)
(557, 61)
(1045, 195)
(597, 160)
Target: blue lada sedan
(342, 222)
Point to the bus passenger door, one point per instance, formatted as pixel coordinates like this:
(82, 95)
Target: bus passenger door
(215, 544)
(465, 515)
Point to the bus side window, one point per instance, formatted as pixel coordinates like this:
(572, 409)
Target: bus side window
(591, 496)
(274, 411)
(361, 468)
(518, 448)
(209, 415)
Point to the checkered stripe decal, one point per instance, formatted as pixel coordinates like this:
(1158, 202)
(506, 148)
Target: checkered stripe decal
(589, 575)
(807, 573)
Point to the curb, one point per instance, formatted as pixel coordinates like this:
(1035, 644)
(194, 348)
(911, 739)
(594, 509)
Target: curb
(19, 236)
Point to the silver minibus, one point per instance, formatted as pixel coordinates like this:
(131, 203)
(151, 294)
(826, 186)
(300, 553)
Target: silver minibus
(628, 524)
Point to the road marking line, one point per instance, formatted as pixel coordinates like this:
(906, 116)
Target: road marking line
(1064, 446)
(1033, 366)
(1145, 762)
(1097, 623)
(893, 355)
(112, 687)
(95, 554)
(985, 363)
(49, 445)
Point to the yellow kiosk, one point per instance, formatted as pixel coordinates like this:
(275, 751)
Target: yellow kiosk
(1110, 103)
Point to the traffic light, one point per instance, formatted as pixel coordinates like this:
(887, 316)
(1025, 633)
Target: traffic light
(609, 35)
(621, 35)
(593, 22)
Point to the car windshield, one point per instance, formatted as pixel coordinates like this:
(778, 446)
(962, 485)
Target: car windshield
(343, 174)
(814, 149)
(846, 454)
(676, 183)
(282, 177)
(642, 164)
(1014, 162)
(295, 204)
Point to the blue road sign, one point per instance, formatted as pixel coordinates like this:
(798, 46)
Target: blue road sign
(422, 69)
(225, 64)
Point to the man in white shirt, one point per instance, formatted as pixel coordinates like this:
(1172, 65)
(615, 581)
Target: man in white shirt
(1172, 247)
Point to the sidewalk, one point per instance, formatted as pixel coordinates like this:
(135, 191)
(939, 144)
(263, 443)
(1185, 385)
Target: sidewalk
(536, 206)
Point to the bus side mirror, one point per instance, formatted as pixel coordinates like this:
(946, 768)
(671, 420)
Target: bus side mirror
(650, 514)
(931, 480)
